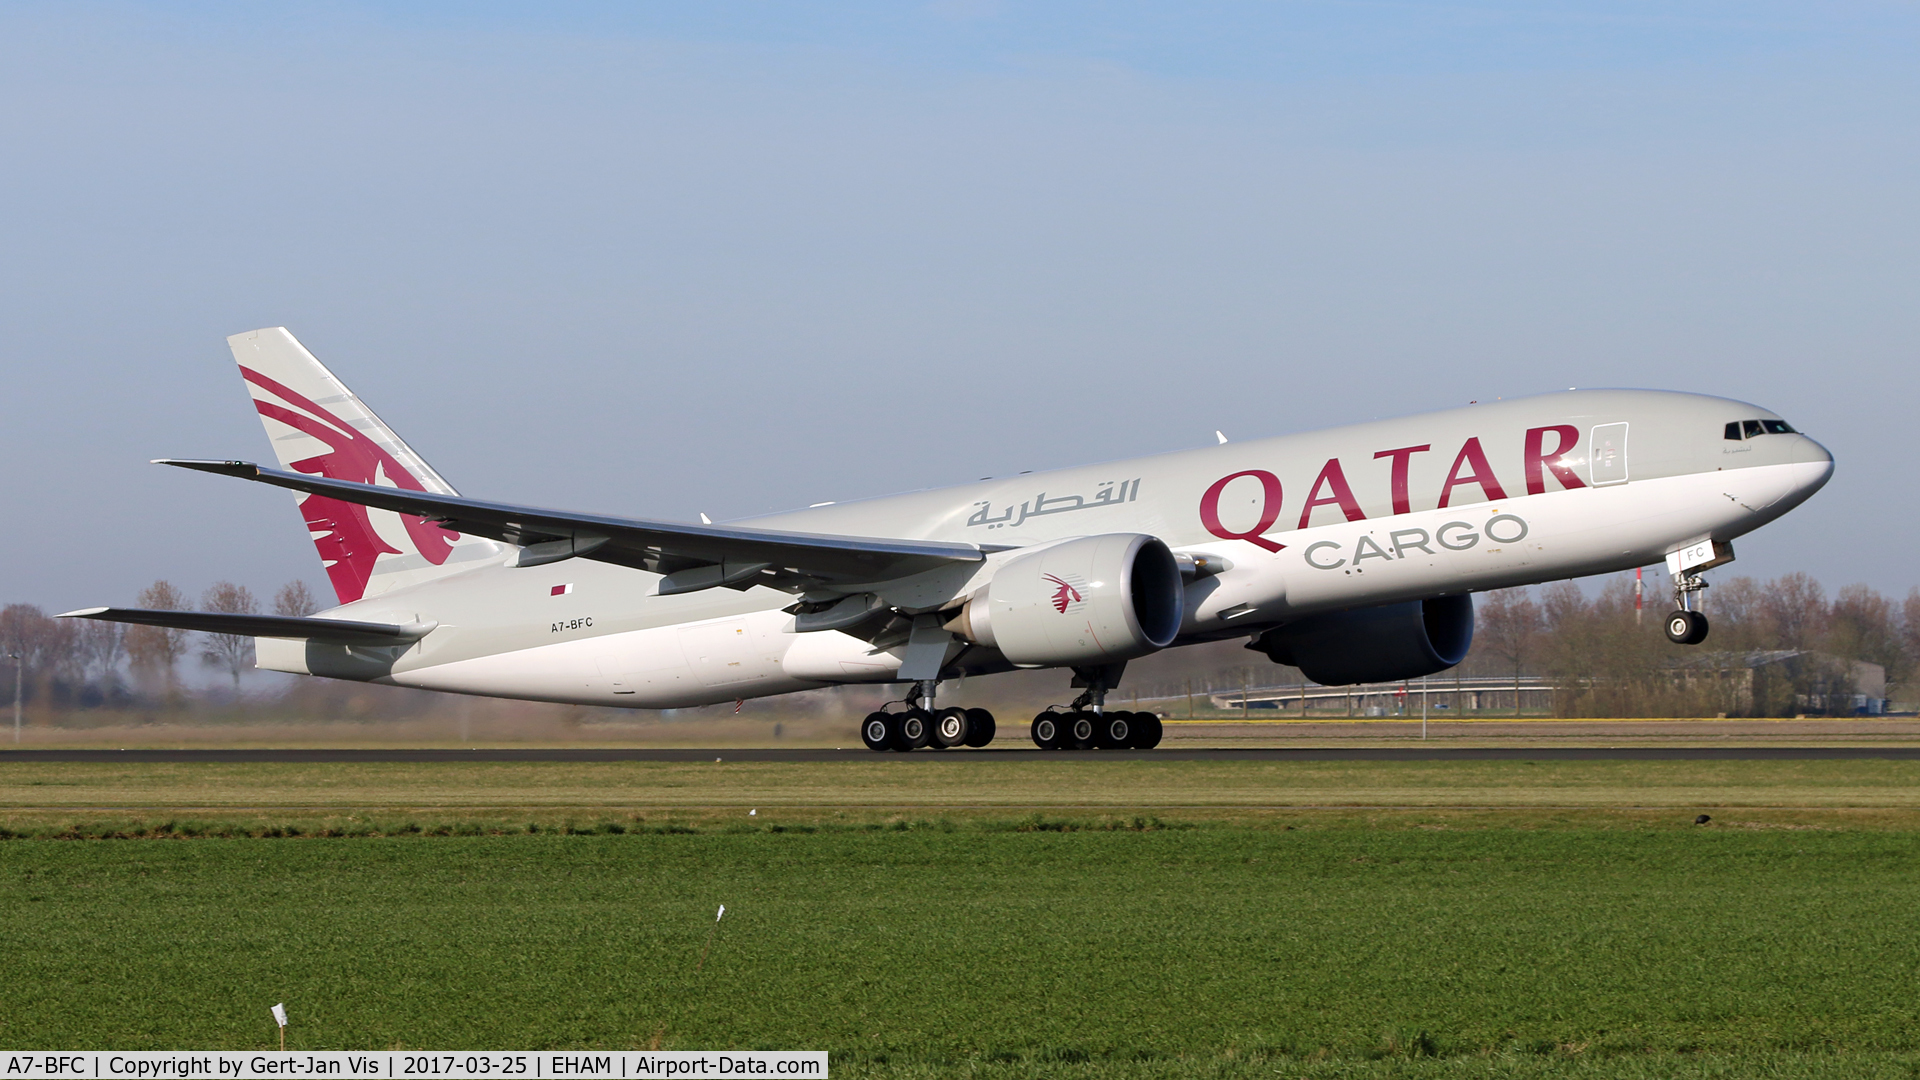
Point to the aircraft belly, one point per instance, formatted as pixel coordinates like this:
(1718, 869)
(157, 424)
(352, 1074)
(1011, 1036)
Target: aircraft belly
(660, 668)
(830, 656)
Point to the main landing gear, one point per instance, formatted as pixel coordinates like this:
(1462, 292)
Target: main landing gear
(1087, 725)
(916, 727)
(1685, 626)
(1083, 729)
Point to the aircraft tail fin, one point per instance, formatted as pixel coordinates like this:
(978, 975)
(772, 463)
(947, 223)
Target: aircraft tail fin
(319, 427)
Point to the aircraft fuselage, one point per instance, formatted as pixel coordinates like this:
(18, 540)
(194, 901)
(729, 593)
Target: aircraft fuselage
(1461, 500)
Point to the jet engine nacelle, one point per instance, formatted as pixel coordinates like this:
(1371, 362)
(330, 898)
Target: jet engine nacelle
(1380, 644)
(1095, 600)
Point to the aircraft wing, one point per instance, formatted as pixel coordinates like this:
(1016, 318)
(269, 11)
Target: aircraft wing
(331, 631)
(692, 556)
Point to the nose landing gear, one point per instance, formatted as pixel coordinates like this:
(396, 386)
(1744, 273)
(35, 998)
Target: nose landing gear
(1685, 626)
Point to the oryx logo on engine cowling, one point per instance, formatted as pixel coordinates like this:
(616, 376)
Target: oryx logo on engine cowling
(1065, 596)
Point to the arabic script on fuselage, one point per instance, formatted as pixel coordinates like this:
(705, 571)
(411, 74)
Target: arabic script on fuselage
(1111, 493)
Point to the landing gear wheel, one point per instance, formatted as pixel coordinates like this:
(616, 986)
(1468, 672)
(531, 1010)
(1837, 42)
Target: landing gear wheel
(950, 728)
(877, 731)
(1686, 627)
(979, 728)
(1114, 730)
(1081, 727)
(916, 727)
(1049, 731)
(1146, 733)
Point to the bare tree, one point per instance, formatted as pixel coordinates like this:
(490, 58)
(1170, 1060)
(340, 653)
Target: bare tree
(25, 637)
(1795, 607)
(1862, 625)
(1563, 606)
(295, 599)
(1508, 623)
(154, 652)
(1740, 619)
(231, 651)
(100, 647)
(23, 633)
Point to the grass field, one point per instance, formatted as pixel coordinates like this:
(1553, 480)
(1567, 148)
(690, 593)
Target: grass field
(940, 918)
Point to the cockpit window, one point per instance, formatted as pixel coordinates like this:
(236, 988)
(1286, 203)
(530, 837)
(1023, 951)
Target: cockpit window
(1750, 429)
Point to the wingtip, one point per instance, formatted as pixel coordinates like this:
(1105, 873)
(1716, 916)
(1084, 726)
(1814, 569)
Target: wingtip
(225, 468)
(80, 613)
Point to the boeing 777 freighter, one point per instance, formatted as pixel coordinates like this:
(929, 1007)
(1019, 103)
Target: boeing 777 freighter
(1351, 553)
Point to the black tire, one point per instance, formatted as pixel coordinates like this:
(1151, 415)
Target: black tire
(979, 728)
(1081, 727)
(1686, 627)
(915, 727)
(1146, 734)
(877, 731)
(1050, 730)
(1114, 730)
(950, 729)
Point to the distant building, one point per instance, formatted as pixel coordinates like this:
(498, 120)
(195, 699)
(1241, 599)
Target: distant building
(1774, 682)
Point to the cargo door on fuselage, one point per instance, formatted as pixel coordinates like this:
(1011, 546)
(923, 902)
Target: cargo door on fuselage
(1607, 455)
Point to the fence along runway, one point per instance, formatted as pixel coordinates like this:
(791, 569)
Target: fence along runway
(735, 754)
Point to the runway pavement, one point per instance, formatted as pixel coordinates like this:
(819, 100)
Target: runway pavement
(998, 754)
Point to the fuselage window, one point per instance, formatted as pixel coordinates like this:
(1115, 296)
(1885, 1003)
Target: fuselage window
(1750, 428)
(1777, 427)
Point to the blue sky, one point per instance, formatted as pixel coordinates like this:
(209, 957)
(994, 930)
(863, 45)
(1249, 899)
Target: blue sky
(665, 259)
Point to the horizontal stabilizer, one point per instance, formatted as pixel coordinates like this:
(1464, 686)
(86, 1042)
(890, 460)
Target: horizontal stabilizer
(790, 559)
(331, 631)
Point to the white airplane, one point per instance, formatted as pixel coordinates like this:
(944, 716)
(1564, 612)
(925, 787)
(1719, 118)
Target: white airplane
(1350, 553)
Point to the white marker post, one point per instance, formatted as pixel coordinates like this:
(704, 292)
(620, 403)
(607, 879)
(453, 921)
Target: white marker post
(710, 932)
(660, 1035)
(280, 1017)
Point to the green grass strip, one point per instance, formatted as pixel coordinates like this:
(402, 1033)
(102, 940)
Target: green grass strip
(941, 948)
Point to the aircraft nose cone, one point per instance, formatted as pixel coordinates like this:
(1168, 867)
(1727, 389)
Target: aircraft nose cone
(1810, 452)
(1807, 452)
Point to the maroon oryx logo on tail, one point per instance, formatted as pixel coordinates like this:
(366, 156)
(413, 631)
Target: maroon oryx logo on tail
(349, 545)
(1066, 594)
